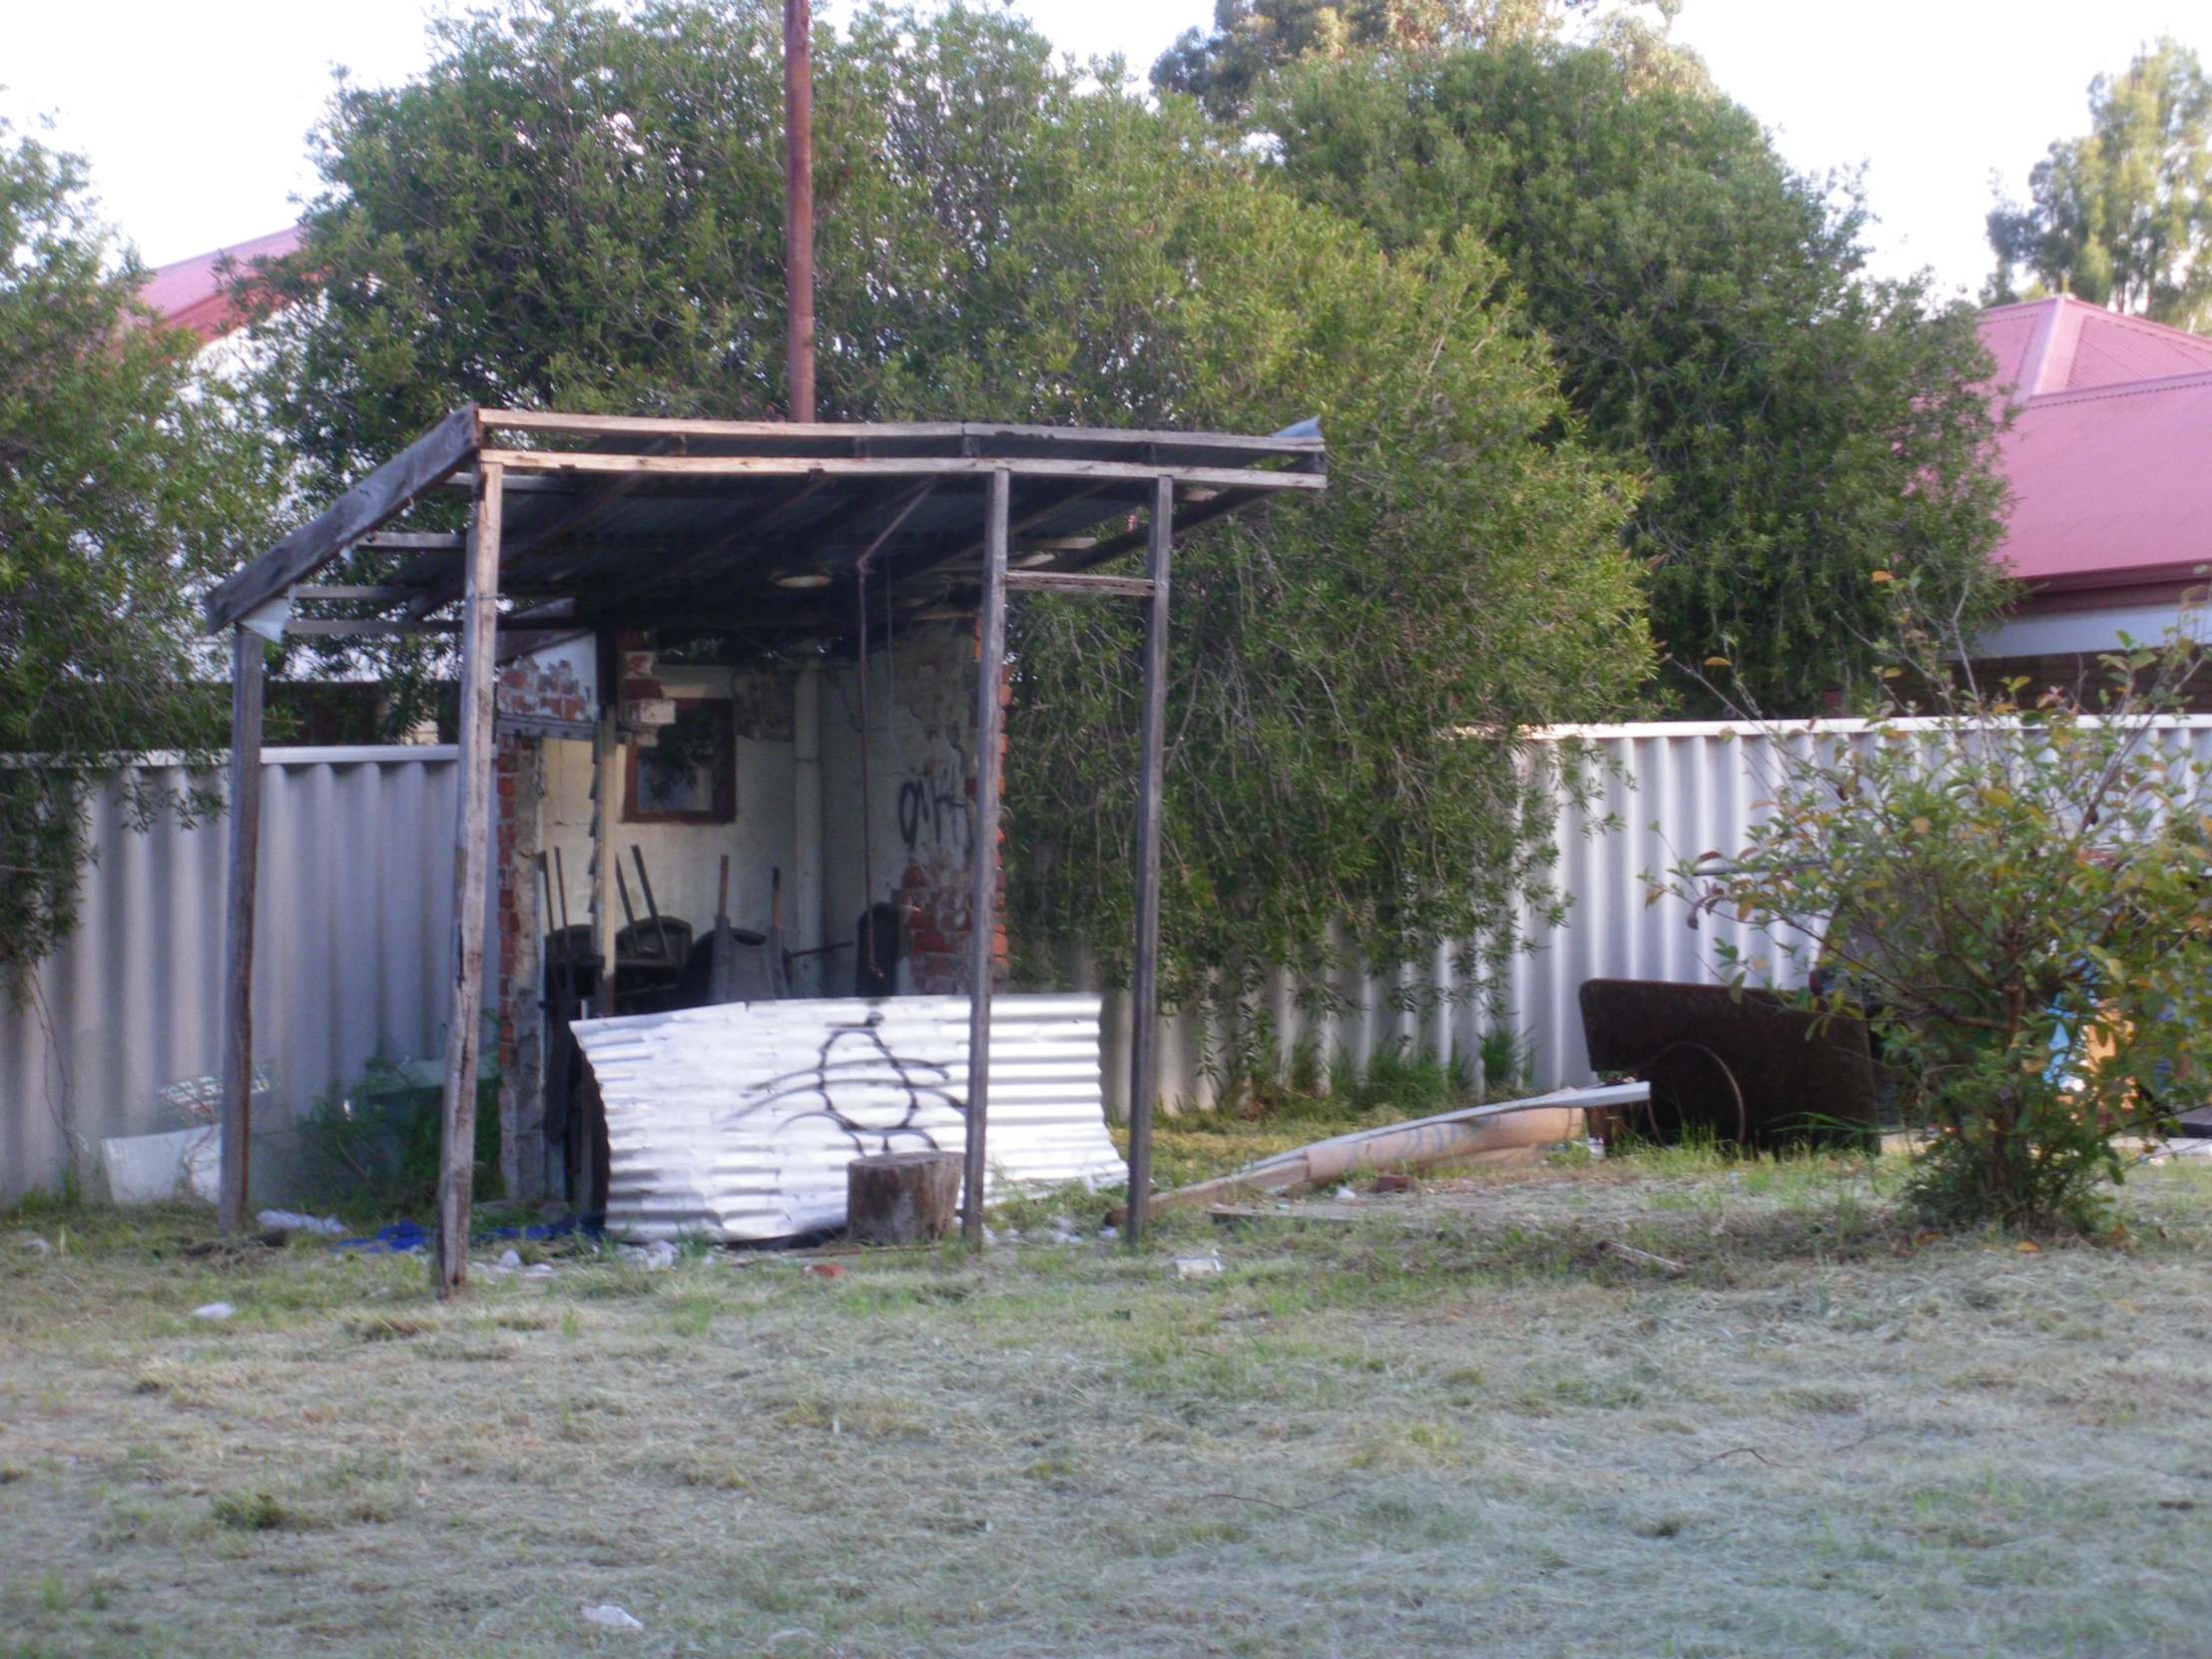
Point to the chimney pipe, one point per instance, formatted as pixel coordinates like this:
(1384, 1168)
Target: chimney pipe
(799, 205)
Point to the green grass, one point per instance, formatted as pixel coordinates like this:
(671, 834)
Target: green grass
(1459, 1426)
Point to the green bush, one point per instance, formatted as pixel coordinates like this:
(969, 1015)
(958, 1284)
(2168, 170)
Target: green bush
(371, 1147)
(2019, 892)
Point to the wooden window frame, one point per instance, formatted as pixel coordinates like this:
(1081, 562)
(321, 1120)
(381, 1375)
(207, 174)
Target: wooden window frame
(725, 809)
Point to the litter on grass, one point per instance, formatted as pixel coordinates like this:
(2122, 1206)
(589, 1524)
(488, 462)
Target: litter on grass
(610, 1618)
(213, 1310)
(401, 1238)
(292, 1221)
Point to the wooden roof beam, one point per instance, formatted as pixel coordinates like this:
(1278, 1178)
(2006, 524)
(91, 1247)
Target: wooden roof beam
(384, 494)
(593, 462)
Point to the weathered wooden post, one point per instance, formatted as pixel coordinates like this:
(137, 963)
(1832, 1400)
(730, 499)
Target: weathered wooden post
(471, 861)
(990, 670)
(1144, 978)
(237, 1109)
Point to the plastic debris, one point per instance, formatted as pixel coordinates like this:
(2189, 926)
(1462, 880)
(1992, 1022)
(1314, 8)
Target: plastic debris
(1345, 1195)
(539, 1269)
(39, 1244)
(610, 1618)
(292, 1221)
(1197, 1266)
(1109, 1232)
(510, 1259)
(213, 1310)
(401, 1238)
(654, 1256)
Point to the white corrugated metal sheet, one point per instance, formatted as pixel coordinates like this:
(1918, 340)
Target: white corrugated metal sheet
(355, 931)
(737, 1122)
(1662, 792)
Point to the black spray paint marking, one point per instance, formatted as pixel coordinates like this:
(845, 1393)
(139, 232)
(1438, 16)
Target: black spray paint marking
(926, 808)
(854, 1062)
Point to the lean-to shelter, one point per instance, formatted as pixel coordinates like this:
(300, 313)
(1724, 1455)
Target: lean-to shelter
(610, 562)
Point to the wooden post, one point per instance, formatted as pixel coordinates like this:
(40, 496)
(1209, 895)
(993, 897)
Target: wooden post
(990, 670)
(1144, 978)
(237, 932)
(471, 861)
(799, 207)
(606, 787)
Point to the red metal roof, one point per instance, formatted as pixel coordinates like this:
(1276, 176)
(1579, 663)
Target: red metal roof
(2110, 451)
(195, 293)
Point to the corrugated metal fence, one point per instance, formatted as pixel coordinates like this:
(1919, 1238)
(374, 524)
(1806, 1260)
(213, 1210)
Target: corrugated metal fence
(1661, 792)
(355, 930)
(356, 923)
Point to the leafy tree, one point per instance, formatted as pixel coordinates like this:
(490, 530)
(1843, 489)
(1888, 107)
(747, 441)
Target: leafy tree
(2019, 893)
(1800, 423)
(1251, 38)
(580, 207)
(125, 476)
(2122, 216)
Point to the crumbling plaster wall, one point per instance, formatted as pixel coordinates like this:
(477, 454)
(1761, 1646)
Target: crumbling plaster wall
(919, 813)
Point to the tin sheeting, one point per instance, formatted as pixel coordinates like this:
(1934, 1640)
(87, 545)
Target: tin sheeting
(122, 1032)
(736, 1123)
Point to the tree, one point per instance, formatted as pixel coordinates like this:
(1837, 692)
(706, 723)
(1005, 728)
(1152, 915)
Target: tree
(1252, 39)
(1800, 425)
(126, 476)
(2019, 892)
(2122, 216)
(581, 208)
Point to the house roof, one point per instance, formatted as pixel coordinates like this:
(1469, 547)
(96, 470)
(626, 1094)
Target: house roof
(195, 293)
(2110, 451)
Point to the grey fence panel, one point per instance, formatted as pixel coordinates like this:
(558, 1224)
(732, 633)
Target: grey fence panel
(124, 1022)
(1661, 792)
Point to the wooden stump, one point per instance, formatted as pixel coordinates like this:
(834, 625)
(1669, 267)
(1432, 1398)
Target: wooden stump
(902, 1198)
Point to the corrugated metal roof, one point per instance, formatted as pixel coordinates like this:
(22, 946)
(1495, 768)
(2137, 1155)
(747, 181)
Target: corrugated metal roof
(195, 293)
(2109, 454)
(736, 1123)
(750, 534)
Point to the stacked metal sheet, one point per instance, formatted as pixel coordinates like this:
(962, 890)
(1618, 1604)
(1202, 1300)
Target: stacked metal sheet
(737, 1122)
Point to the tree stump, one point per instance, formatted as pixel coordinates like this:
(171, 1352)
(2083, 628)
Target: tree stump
(902, 1198)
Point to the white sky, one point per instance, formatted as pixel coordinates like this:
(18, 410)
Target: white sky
(195, 122)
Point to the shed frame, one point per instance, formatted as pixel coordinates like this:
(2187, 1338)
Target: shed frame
(745, 535)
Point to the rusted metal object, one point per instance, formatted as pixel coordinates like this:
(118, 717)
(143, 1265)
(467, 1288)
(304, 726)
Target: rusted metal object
(1747, 1067)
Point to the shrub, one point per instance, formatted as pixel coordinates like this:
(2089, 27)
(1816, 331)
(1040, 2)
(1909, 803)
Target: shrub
(2015, 889)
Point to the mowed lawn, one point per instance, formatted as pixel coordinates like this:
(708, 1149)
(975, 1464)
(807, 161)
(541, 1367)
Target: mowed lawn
(1452, 1425)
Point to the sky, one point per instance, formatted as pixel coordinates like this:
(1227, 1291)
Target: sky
(195, 123)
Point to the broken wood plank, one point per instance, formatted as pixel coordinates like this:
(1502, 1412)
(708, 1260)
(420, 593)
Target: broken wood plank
(1640, 1258)
(1413, 1145)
